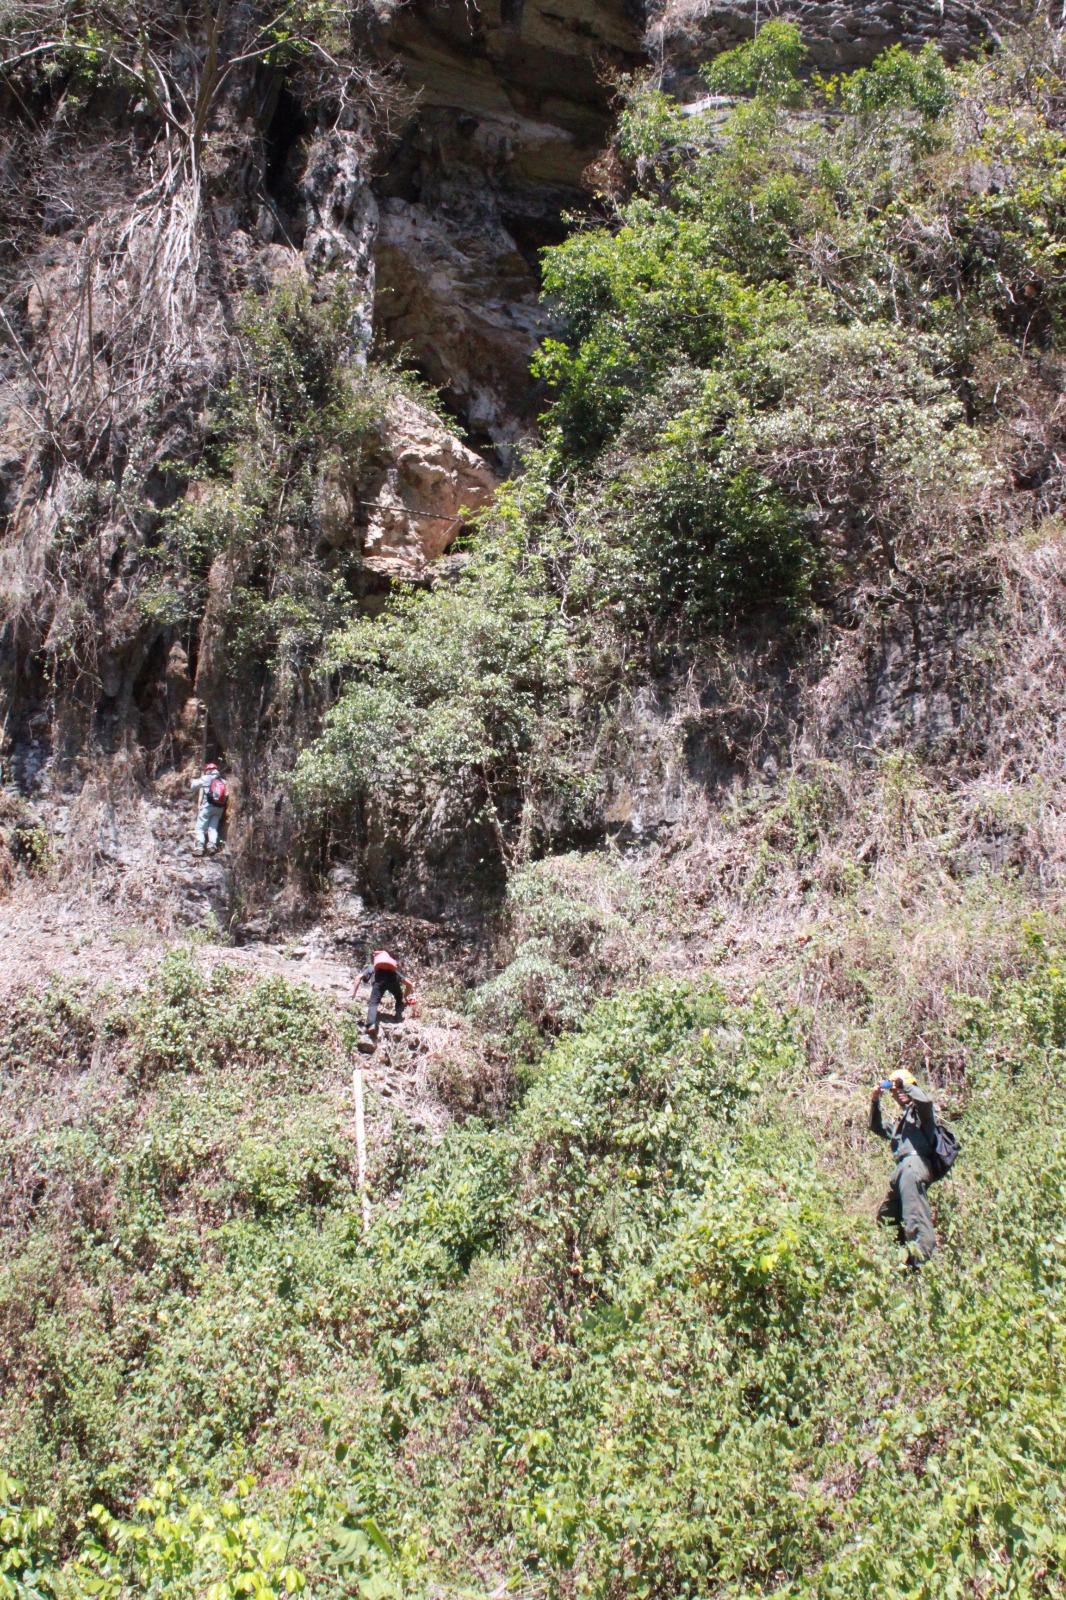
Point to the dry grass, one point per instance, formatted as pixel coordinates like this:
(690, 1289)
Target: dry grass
(871, 882)
(866, 882)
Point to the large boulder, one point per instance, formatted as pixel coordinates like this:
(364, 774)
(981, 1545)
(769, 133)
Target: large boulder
(432, 485)
(427, 484)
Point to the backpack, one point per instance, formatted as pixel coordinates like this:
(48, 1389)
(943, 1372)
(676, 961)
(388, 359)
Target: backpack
(945, 1149)
(217, 792)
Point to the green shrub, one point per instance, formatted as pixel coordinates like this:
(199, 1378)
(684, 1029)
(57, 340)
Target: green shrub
(767, 66)
(766, 1250)
(613, 1124)
(899, 79)
(574, 926)
(21, 1538)
(458, 700)
(190, 1021)
(50, 1029)
(182, 1546)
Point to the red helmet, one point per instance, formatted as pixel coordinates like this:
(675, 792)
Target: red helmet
(210, 766)
(383, 959)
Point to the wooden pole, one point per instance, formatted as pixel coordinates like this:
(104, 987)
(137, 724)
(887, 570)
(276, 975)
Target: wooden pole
(360, 1145)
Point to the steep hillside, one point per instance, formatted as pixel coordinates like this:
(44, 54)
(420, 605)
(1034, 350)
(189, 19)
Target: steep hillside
(614, 542)
(202, 479)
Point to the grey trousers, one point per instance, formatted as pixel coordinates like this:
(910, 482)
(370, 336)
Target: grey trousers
(207, 827)
(907, 1206)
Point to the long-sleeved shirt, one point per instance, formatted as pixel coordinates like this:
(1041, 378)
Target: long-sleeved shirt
(915, 1131)
(207, 805)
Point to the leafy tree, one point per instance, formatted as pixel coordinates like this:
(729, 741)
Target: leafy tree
(460, 696)
(768, 66)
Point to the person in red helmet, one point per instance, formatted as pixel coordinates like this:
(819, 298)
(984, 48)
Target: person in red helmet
(213, 796)
(384, 977)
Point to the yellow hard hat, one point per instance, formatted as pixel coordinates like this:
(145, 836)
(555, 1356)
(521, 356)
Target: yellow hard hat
(904, 1079)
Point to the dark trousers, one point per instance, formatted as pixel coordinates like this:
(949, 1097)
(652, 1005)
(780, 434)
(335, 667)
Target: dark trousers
(384, 983)
(907, 1207)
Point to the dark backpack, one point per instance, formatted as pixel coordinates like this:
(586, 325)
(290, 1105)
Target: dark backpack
(945, 1149)
(217, 792)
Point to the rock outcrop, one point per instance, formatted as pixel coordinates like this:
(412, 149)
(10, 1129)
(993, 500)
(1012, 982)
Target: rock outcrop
(456, 294)
(342, 224)
(839, 35)
(427, 485)
(513, 106)
(430, 488)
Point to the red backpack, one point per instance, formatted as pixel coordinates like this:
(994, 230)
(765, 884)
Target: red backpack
(217, 792)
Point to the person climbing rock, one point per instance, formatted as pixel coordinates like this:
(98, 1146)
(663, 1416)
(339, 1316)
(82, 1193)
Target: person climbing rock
(213, 796)
(384, 977)
(914, 1145)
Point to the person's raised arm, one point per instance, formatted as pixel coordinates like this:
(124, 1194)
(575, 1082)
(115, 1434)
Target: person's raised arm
(877, 1127)
(922, 1101)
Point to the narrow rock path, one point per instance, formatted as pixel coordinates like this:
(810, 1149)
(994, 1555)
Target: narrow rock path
(147, 894)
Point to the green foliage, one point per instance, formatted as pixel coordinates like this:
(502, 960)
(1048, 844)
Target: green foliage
(187, 1021)
(785, 372)
(1022, 1025)
(20, 1545)
(742, 1392)
(33, 848)
(49, 1028)
(900, 80)
(708, 541)
(449, 1212)
(183, 1546)
(644, 1339)
(614, 1119)
(768, 66)
(637, 300)
(296, 409)
(578, 924)
(299, 424)
(458, 698)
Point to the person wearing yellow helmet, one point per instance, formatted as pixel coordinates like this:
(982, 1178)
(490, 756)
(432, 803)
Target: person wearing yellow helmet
(913, 1140)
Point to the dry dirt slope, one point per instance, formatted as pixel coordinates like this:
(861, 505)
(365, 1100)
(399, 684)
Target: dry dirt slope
(147, 894)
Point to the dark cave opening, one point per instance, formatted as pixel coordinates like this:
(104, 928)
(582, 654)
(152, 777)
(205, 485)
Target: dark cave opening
(534, 234)
(288, 126)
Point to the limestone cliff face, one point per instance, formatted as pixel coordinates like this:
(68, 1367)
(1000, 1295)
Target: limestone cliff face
(432, 224)
(513, 106)
(419, 501)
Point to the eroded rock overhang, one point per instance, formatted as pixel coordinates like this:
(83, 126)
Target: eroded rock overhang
(513, 105)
